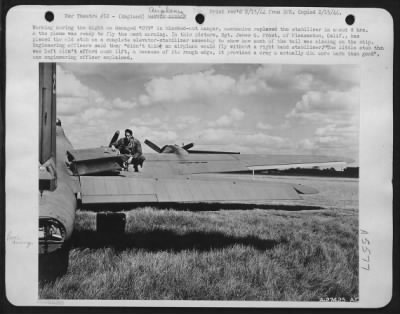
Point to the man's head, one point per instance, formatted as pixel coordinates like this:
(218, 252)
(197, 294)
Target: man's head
(128, 133)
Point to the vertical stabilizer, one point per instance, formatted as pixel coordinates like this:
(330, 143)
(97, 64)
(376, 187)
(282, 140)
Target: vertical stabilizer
(47, 111)
(47, 126)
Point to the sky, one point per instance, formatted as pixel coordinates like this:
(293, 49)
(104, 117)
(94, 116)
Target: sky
(251, 108)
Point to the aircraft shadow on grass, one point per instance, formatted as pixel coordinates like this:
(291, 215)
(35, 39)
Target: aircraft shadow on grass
(111, 232)
(166, 240)
(199, 207)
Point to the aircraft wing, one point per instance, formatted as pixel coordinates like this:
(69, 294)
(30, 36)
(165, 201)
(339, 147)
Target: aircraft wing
(97, 160)
(120, 191)
(190, 178)
(265, 162)
(171, 164)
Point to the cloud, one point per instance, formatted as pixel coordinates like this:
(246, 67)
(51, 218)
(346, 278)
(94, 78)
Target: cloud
(270, 77)
(333, 118)
(159, 137)
(251, 84)
(216, 136)
(263, 126)
(307, 145)
(326, 106)
(185, 121)
(98, 116)
(122, 71)
(72, 95)
(68, 85)
(120, 104)
(227, 139)
(186, 86)
(68, 106)
(74, 98)
(146, 120)
(337, 139)
(333, 129)
(263, 79)
(264, 139)
(235, 115)
(323, 144)
(314, 107)
(303, 81)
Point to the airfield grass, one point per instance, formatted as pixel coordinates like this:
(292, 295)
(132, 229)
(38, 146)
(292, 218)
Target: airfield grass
(253, 254)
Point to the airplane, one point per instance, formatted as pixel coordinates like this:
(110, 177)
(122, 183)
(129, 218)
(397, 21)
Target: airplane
(94, 178)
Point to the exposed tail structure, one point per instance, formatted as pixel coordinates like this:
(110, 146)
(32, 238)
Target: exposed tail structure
(47, 126)
(57, 200)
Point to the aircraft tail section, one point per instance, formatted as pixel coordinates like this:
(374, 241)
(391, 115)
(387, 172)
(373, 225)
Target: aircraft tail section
(47, 126)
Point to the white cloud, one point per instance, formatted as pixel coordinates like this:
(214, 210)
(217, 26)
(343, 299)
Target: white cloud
(120, 104)
(268, 77)
(185, 121)
(263, 79)
(216, 136)
(146, 121)
(251, 84)
(68, 85)
(306, 145)
(286, 124)
(122, 71)
(237, 114)
(97, 116)
(222, 121)
(337, 139)
(343, 128)
(227, 139)
(85, 111)
(186, 86)
(70, 106)
(158, 137)
(323, 116)
(303, 81)
(234, 116)
(327, 106)
(264, 126)
(72, 96)
(264, 139)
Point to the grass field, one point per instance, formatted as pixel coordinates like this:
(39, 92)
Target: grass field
(275, 252)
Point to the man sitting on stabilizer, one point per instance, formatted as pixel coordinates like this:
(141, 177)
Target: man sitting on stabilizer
(130, 149)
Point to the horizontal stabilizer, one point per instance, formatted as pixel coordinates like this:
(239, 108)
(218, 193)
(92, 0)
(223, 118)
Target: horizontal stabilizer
(94, 160)
(188, 146)
(152, 146)
(211, 152)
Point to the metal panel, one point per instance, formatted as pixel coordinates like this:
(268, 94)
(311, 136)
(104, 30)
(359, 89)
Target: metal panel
(170, 164)
(95, 166)
(94, 160)
(96, 190)
(114, 190)
(120, 199)
(92, 153)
